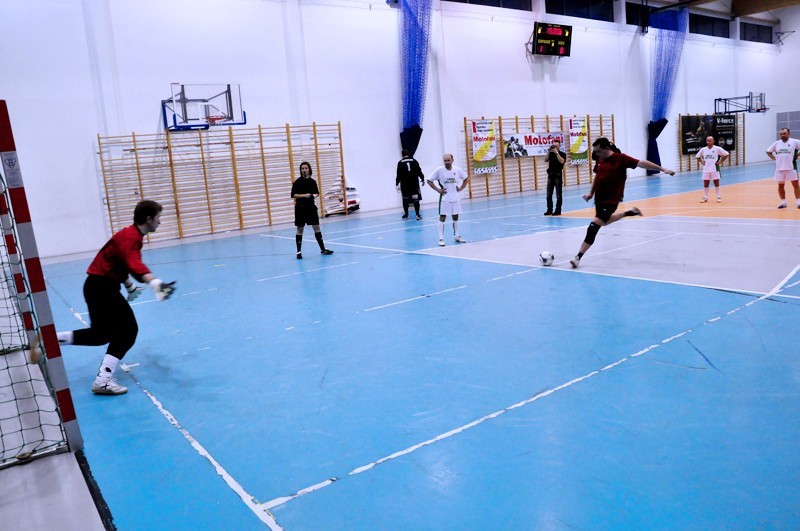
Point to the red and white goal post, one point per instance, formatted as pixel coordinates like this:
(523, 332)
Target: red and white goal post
(37, 416)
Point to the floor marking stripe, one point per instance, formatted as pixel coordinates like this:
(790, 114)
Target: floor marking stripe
(304, 272)
(261, 512)
(413, 299)
(542, 394)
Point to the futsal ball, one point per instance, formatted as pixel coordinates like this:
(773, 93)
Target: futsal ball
(546, 258)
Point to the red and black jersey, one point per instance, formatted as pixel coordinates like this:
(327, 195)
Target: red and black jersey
(121, 256)
(610, 176)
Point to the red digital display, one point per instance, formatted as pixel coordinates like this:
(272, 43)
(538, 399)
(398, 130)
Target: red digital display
(551, 39)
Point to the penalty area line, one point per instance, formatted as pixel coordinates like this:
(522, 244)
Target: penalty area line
(276, 502)
(259, 510)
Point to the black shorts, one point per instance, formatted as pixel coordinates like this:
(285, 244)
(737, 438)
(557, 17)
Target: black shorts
(305, 214)
(604, 211)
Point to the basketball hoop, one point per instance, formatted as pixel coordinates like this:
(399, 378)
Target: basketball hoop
(215, 120)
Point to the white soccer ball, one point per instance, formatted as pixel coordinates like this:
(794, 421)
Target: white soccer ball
(546, 258)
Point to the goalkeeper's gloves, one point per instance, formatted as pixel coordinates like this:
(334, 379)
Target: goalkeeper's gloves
(133, 290)
(163, 290)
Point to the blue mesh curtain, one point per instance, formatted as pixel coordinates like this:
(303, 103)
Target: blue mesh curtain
(415, 30)
(670, 33)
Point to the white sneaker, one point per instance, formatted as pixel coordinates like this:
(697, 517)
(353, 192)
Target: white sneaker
(441, 242)
(782, 205)
(106, 385)
(575, 261)
(719, 200)
(459, 239)
(704, 200)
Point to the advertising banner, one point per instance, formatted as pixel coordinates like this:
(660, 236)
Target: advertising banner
(484, 146)
(578, 142)
(529, 144)
(696, 128)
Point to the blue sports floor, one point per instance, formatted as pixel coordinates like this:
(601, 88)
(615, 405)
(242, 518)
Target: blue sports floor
(397, 385)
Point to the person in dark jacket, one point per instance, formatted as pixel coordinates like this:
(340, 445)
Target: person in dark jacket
(409, 179)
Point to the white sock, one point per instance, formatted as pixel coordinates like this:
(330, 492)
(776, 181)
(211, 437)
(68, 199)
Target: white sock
(783, 201)
(65, 338)
(441, 230)
(705, 193)
(455, 229)
(108, 366)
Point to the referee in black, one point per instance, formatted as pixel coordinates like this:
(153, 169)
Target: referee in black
(304, 190)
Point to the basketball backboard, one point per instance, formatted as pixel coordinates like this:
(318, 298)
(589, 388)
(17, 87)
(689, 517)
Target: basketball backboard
(200, 106)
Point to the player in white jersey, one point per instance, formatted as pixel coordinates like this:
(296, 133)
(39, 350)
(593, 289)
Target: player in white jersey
(784, 152)
(448, 181)
(712, 157)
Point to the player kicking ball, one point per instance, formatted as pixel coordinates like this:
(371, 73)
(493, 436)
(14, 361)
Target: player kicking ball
(112, 319)
(608, 188)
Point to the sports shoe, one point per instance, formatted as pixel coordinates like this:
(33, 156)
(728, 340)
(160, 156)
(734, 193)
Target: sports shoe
(441, 242)
(326, 251)
(782, 205)
(548, 213)
(719, 200)
(299, 256)
(106, 385)
(704, 200)
(575, 261)
(557, 213)
(404, 216)
(420, 217)
(459, 239)
(635, 212)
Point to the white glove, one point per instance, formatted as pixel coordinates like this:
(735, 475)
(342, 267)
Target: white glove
(133, 291)
(163, 290)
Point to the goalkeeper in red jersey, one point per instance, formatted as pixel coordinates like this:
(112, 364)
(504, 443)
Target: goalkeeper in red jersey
(112, 319)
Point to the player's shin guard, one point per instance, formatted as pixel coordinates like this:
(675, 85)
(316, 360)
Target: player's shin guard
(441, 230)
(591, 233)
(298, 240)
(455, 229)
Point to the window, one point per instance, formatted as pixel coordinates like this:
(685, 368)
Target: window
(523, 5)
(636, 14)
(715, 27)
(593, 9)
(755, 32)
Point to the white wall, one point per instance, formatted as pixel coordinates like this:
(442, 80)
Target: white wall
(76, 68)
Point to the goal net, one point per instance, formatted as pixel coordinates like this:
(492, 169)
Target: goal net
(36, 412)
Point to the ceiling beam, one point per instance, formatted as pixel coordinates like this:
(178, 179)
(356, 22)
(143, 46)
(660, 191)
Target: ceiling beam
(741, 8)
(684, 3)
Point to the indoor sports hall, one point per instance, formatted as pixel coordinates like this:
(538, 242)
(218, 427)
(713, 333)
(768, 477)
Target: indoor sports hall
(399, 382)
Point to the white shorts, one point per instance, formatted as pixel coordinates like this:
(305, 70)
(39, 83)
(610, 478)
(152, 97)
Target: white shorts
(448, 208)
(782, 176)
(710, 175)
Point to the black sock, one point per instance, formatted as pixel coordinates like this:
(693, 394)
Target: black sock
(298, 239)
(580, 255)
(318, 236)
(416, 207)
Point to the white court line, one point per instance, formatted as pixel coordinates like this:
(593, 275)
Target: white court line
(306, 271)
(413, 299)
(542, 394)
(766, 222)
(261, 512)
